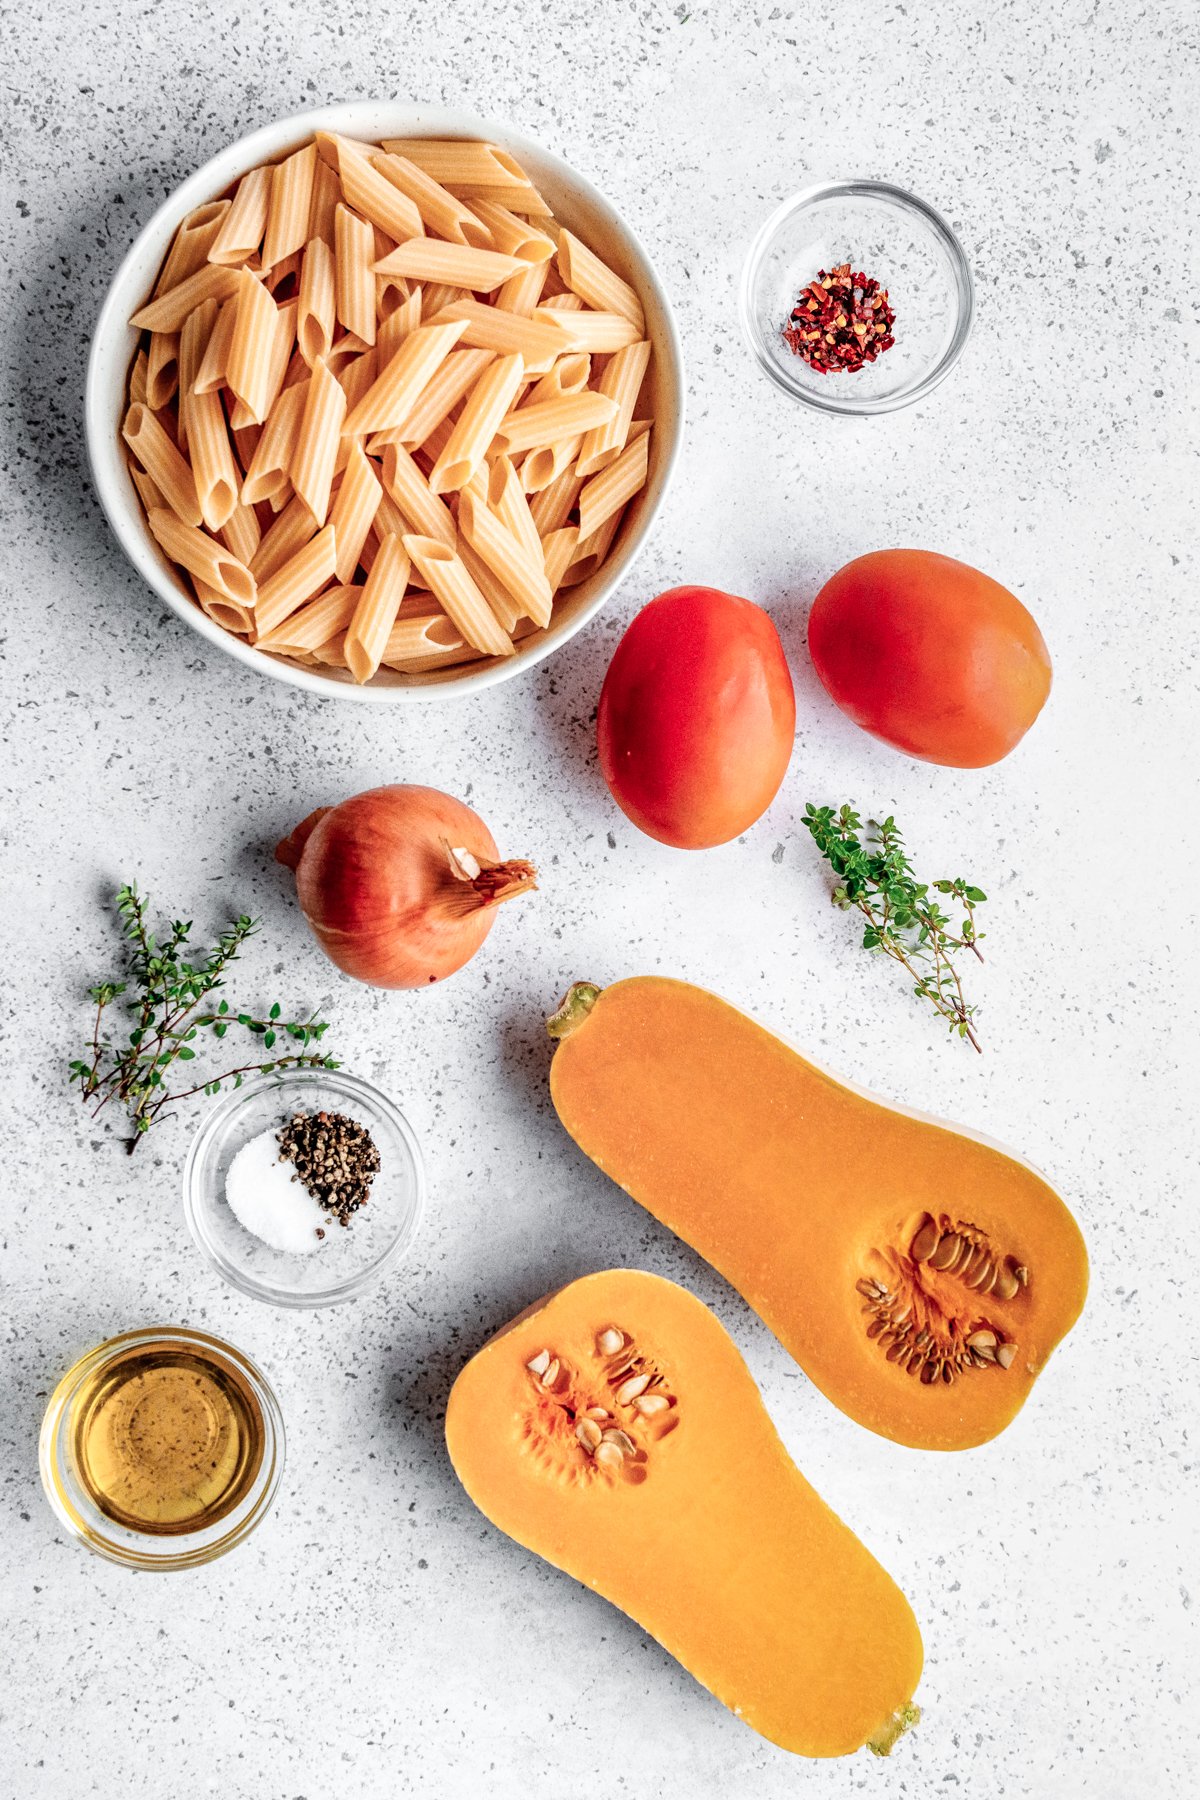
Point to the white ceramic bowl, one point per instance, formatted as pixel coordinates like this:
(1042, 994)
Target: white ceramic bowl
(577, 204)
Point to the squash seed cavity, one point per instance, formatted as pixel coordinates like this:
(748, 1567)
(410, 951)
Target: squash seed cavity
(609, 1416)
(922, 1309)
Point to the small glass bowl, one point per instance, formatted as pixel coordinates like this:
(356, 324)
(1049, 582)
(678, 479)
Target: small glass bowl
(349, 1259)
(891, 235)
(78, 1512)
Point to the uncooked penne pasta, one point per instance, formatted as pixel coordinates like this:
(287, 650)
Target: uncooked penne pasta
(394, 393)
(289, 206)
(523, 291)
(440, 212)
(137, 377)
(545, 465)
(488, 328)
(202, 556)
(522, 575)
(435, 295)
(429, 259)
(354, 511)
(297, 581)
(596, 284)
(169, 310)
(315, 623)
(242, 228)
(506, 497)
(601, 333)
(374, 196)
(268, 475)
(453, 161)
(280, 361)
(502, 603)
(422, 639)
(564, 302)
(193, 341)
(558, 552)
(313, 459)
(524, 199)
(230, 615)
(607, 492)
(245, 442)
(368, 631)
(162, 369)
(622, 382)
(357, 379)
(553, 506)
(486, 405)
(570, 375)
(149, 492)
(513, 235)
(354, 283)
(530, 427)
(211, 374)
(252, 347)
(191, 244)
(452, 379)
(590, 552)
(290, 531)
(421, 507)
(241, 534)
(326, 193)
(315, 315)
(333, 654)
(213, 468)
(282, 279)
(396, 326)
(447, 579)
(156, 452)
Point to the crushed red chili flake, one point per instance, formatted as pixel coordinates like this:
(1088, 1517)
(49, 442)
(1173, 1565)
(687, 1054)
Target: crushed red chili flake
(840, 321)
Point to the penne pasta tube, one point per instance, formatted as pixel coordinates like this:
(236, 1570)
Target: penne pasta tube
(394, 392)
(436, 295)
(242, 228)
(396, 326)
(202, 556)
(607, 492)
(558, 552)
(282, 279)
(570, 375)
(390, 518)
(357, 379)
(289, 532)
(252, 347)
(523, 576)
(315, 623)
(374, 196)
(137, 377)
(246, 440)
(447, 579)
(211, 373)
(354, 511)
(513, 235)
(429, 259)
(440, 212)
(155, 451)
(487, 404)
(241, 534)
(457, 160)
(506, 498)
(333, 654)
(598, 332)
(315, 313)
(531, 427)
(193, 342)
(451, 380)
(316, 449)
(230, 615)
(502, 603)
(267, 476)
(554, 505)
(149, 492)
(521, 293)
(354, 283)
(280, 362)
(420, 506)
(590, 552)
(369, 630)
(622, 382)
(302, 577)
(597, 285)
(523, 199)
(289, 206)
(162, 369)
(168, 312)
(213, 469)
(191, 245)
(326, 194)
(488, 328)
(421, 635)
(564, 302)
(545, 465)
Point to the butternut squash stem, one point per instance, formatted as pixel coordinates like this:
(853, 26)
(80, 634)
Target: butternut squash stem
(889, 1735)
(580, 998)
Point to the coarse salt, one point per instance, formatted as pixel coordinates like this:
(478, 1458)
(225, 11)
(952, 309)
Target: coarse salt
(268, 1202)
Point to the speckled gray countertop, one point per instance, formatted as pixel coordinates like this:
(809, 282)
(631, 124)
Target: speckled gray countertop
(377, 1637)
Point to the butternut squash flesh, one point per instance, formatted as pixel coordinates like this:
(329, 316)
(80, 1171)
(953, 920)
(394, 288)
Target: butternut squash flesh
(615, 1430)
(919, 1276)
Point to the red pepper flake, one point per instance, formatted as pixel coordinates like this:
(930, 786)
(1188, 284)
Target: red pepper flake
(840, 321)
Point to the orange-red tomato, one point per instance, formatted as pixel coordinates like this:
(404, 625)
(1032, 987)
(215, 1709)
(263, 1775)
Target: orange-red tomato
(930, 655)
(697, 717)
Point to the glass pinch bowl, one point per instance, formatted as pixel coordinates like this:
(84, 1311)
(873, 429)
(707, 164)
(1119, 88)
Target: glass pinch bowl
(888, 234)
(350, 1259)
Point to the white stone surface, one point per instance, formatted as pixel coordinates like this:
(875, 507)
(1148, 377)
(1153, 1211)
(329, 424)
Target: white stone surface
(377, 1637)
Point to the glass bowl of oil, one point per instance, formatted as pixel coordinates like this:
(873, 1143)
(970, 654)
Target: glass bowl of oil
(349, 1259)
(162, 1448)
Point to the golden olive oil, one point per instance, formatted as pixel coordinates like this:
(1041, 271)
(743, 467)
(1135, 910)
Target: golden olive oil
(167, 1438)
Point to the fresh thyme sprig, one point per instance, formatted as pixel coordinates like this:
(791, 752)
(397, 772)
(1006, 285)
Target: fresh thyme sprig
(903, 920)
(167, 995)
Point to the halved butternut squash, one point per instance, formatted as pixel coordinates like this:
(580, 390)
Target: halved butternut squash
(918, 1274)
(614, 1429)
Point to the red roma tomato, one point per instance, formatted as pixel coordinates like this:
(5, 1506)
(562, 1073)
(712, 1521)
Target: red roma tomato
(930, 655)
(697, 717)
